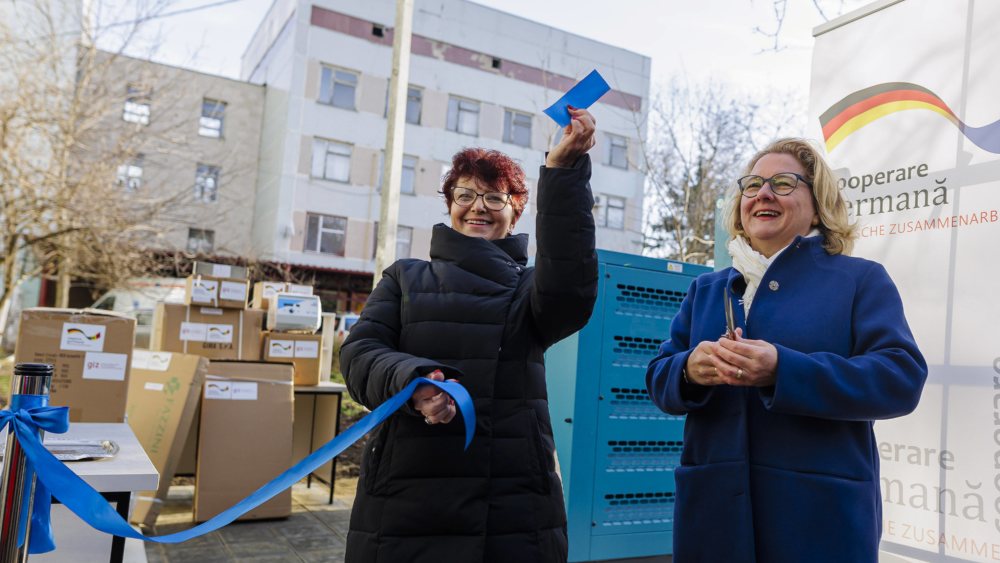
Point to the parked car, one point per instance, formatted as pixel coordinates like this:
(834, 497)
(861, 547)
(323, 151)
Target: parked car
(344, 323)
(138, 299)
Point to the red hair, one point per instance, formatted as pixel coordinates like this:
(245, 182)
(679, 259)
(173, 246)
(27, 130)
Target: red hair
(489, 169)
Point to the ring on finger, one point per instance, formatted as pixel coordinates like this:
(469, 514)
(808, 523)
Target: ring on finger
(427, 421)
(739, 373)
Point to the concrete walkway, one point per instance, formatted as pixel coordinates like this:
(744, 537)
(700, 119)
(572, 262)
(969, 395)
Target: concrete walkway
(315, 532)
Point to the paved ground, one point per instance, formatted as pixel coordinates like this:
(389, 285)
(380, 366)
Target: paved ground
(315, 532)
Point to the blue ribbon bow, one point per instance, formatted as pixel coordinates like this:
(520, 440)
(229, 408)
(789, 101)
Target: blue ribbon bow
(28, 415)
(93, 509)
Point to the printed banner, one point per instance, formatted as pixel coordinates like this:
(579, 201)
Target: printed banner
(904, 100)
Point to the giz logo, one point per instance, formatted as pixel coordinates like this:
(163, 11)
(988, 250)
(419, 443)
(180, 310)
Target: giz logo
(221, 331)
(279, 347)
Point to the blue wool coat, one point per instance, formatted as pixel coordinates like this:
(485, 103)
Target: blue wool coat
(790, 472)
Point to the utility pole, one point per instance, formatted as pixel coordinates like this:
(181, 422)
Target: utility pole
(392, 167)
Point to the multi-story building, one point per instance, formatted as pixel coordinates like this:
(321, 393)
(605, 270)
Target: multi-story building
(478, 77)
(195, 140)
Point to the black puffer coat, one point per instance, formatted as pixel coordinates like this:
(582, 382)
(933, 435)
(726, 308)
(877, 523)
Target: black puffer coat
(478, 314)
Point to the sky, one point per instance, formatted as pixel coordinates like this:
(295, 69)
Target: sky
(701, 40)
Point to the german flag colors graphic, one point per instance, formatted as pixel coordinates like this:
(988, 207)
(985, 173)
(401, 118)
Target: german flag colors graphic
(96, 336)
(865, 106)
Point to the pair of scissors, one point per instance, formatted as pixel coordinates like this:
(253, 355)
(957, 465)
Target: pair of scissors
(730, 316)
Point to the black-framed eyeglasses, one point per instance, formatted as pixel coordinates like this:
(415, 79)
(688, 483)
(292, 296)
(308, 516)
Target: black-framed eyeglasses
(782, 183)
(494, 201)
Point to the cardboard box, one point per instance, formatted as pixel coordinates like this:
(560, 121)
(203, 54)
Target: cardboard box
(264, 291)
(303, 350)
(217, 334)
(210, 291)
(220, 270)
(163, 394)
(245, 437)
(188, 463)
(91, 352)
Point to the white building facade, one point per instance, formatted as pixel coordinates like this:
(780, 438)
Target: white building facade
(478, 77)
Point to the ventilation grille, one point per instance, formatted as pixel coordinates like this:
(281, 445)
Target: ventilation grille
(633, 351)
(636, 300)
(638, 509)
(634, 404)
(642, 456)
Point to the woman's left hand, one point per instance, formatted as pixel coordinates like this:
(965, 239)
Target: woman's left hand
(747, 362)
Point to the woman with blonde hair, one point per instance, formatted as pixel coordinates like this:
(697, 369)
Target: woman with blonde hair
(779, 449)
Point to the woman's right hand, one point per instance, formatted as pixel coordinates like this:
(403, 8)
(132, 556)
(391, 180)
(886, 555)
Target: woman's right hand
(702, 364)
(435, 405)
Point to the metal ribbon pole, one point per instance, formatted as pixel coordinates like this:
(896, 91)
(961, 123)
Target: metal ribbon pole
(16, 489)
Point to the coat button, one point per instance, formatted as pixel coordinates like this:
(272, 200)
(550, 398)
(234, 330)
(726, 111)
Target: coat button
(773, 285)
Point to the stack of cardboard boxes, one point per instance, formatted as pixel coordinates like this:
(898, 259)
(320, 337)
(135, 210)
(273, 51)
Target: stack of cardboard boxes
(214, 320)
(201, 398)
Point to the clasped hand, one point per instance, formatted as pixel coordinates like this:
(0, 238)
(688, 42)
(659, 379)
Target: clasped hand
(435, 405)
(738, 361)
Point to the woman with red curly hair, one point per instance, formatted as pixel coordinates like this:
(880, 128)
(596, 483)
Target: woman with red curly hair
(476, 313)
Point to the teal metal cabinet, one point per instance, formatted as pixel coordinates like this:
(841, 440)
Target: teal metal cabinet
(616, 450)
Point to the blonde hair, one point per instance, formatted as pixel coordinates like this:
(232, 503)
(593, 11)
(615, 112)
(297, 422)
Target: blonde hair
(838, 232)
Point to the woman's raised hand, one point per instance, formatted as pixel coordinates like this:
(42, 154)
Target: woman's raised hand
(577, 139)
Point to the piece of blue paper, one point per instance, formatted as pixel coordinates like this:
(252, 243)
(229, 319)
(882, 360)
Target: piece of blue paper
(582, 96)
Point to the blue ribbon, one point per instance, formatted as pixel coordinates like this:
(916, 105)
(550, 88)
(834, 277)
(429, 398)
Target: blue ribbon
(581, 96)
(93, 509)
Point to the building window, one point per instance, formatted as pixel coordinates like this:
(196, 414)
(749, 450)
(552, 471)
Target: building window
(337, 87)
(206, 183)
(404, 241)
(409, 176)
(331, 160)
(517, 128)
(213, 114)
(407, 180)
(325, 234)
(414, 100)
(130, 175)
(610, 212)
(617, 154)
(137, 103)
(201, 241)
(463, 116)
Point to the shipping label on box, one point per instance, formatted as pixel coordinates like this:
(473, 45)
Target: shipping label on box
(101, 365)
(281, 348)
(204, 291)
(307, 348)
(83, 337)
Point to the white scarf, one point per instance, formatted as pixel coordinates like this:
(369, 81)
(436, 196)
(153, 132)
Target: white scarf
(753, 265)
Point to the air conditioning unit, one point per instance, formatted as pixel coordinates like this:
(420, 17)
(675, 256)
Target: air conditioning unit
(598, 201)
